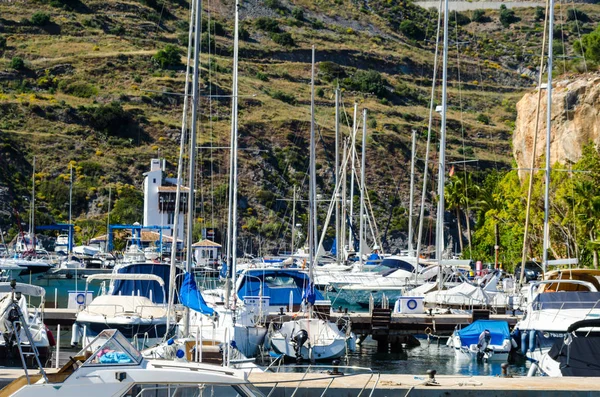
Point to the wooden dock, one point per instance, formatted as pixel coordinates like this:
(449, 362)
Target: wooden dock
(379, 385)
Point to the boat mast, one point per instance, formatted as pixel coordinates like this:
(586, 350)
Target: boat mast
(313, 175)
(361, 212)
(342, 243)
(337, 174)
(548, 133)
(184, 121)
(192, 154)
(32, 210)
(412, 195)
(428, 145)
(439, 243)
(353, 166)
(70, 243)
(293, 219)
(234, 153)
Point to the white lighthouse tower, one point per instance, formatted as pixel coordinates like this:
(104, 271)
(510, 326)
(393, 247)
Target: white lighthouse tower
(159, 199)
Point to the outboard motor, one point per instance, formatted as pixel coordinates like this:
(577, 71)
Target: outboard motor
(299, 339)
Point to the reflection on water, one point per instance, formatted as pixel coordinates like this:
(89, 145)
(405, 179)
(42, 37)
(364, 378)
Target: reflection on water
(427, 356)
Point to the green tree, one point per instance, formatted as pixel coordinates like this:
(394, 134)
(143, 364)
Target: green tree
(589, 45)
(507, 17)
(17, 63)
(411, 30)
(168, 57)
(40, 18)
(128, 207)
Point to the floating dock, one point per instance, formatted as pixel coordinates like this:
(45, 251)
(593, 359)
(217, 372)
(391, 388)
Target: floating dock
(390, 330)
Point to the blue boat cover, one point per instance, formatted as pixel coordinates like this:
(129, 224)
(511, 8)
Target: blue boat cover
(191, 297)
(373, 259)
(276, 284)
(127, 287)
(223, 273)
(309, 294)
(498, 329)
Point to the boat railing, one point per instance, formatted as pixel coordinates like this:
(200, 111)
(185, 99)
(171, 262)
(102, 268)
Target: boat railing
(328, 372)
(113, 305)
(140, 309)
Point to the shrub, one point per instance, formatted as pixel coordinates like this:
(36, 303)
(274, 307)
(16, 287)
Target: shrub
(262, 76)
(80, 89)
(214, 27)
(330, 70)
(273, 4)
(285, 39)
(573, 14)
(267, 24)
(170, 56)
(2, 44)
(458, 18)
(40, 18)
(483, 118)
(540, 13)
(318, 24)
(369, 81)
(411, 30)
(373, 123)
(507, 17)
(282, 96)
(479, 16)
(109, 118)
(298, 13)
(320, 92)
(17, 63)
(243, 34)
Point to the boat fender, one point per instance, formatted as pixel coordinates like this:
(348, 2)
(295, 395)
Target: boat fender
(532, 340)
(75, 334)
(513, 343)
(524, 340)
(50, 336)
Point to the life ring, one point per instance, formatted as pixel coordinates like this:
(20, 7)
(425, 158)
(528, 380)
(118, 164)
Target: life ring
(428, 331)
(80, 299)
(411, 304)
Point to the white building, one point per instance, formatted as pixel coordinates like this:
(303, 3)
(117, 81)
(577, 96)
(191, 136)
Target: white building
(159, 199)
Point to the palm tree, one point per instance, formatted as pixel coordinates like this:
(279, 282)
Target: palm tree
(455, 197)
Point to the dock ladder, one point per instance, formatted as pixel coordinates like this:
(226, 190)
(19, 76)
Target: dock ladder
(16, 318)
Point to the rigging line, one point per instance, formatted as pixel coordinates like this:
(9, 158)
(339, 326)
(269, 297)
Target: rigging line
(579, 36)
(211, 126)
(562, 34)
(534, 149)
(159, 20)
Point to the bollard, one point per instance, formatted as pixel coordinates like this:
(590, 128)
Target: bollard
(431, 374)
(281, 311)
(505, 373)
(335, 371)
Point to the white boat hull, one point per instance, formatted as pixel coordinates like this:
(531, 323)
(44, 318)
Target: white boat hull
(324, 342)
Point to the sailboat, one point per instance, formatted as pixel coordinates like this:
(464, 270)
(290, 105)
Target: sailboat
(311, 338)
(225, 324)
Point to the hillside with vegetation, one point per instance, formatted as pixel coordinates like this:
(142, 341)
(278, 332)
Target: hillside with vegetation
(90, 84)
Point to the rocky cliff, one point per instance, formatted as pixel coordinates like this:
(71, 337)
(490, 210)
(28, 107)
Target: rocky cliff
(575, 121)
